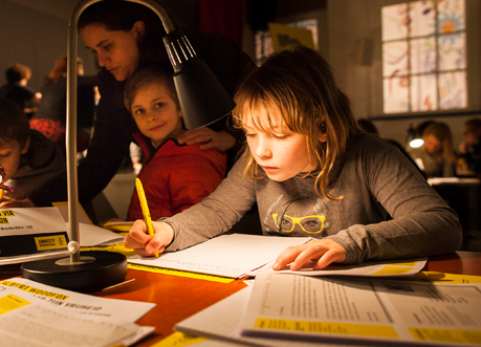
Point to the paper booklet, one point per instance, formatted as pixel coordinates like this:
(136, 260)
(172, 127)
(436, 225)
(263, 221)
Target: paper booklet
(363, 311)
(226, 255)
(38, 315)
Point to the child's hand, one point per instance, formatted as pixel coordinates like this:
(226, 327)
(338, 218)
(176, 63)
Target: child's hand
(210, 139)
(144, 244)
(324, 251)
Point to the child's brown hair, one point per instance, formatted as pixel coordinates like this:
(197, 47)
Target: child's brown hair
(13, 123)
(146, 75)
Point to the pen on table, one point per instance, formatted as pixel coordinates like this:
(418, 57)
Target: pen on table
(145, 209)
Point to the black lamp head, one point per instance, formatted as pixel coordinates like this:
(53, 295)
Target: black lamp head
(202, 98)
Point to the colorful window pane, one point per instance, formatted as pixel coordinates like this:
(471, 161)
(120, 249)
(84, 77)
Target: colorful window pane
(422, 16)
(395, 58)
(450, 16)
(452, 90)
(423, 93)
(452, 52)
(423, 55)
(394, 22)
(396, 97)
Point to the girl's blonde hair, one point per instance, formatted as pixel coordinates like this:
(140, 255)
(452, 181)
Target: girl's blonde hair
(442, 132)
(300, 85)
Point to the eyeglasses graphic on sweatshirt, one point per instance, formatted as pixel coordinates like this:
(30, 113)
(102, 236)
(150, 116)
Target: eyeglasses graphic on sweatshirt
(310, 224)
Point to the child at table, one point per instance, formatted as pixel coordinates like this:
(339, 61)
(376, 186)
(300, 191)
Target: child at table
(28, 158)
(174, 177)
(313, 172)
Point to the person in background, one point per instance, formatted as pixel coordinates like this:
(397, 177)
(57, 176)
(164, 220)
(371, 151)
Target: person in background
(314, 173)
(470, 148)
(16, 89)
(369, 127)
(174, 176)
(50, 119)
(29, 159)
(436, 156)
(124, 36)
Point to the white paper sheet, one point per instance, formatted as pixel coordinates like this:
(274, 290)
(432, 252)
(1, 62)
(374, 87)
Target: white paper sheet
(90, 235)
(227, 255)
(29, 320)
(88, 305)
(28, 221)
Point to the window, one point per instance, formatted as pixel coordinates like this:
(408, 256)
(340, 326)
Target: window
(424, 56)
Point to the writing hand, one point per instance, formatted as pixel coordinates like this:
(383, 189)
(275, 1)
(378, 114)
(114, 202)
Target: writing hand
(143, 244)
(323, 251)
(210, 139)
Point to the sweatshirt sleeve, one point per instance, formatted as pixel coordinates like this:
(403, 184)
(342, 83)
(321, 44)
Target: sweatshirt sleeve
(421, 223)
(217, 213)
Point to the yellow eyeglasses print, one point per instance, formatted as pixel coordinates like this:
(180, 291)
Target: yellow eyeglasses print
(310, 224)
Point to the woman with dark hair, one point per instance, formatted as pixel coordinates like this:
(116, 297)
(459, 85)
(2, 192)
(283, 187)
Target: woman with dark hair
(125, 36)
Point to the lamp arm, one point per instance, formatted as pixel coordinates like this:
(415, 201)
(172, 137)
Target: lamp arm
(71, 127)
(72, 248)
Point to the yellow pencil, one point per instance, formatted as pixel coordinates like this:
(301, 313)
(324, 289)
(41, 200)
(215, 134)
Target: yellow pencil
(1, 194)
(145, 209)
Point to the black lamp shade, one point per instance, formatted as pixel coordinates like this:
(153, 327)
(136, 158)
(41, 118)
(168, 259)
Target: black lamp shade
(203, 100)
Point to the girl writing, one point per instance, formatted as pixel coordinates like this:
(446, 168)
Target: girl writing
(313, 172)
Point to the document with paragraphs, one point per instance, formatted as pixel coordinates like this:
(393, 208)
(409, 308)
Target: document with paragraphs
(36, 315)
(328, 309)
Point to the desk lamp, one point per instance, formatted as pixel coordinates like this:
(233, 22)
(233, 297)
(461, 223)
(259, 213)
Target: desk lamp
(414, 139)
(203, 100)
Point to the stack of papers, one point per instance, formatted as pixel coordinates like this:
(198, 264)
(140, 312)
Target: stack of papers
(285, 310)
(37, 315)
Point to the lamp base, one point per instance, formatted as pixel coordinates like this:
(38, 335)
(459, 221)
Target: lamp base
(94, 271)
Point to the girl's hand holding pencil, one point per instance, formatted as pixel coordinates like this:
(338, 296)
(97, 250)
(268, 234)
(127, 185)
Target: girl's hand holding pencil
(143, 244)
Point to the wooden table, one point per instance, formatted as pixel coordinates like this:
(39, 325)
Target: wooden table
(178, 298)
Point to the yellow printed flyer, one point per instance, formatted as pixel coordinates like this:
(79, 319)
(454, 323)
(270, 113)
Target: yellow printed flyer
(31, 230)
(34, 314)
(300, 307)
(26, 221)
